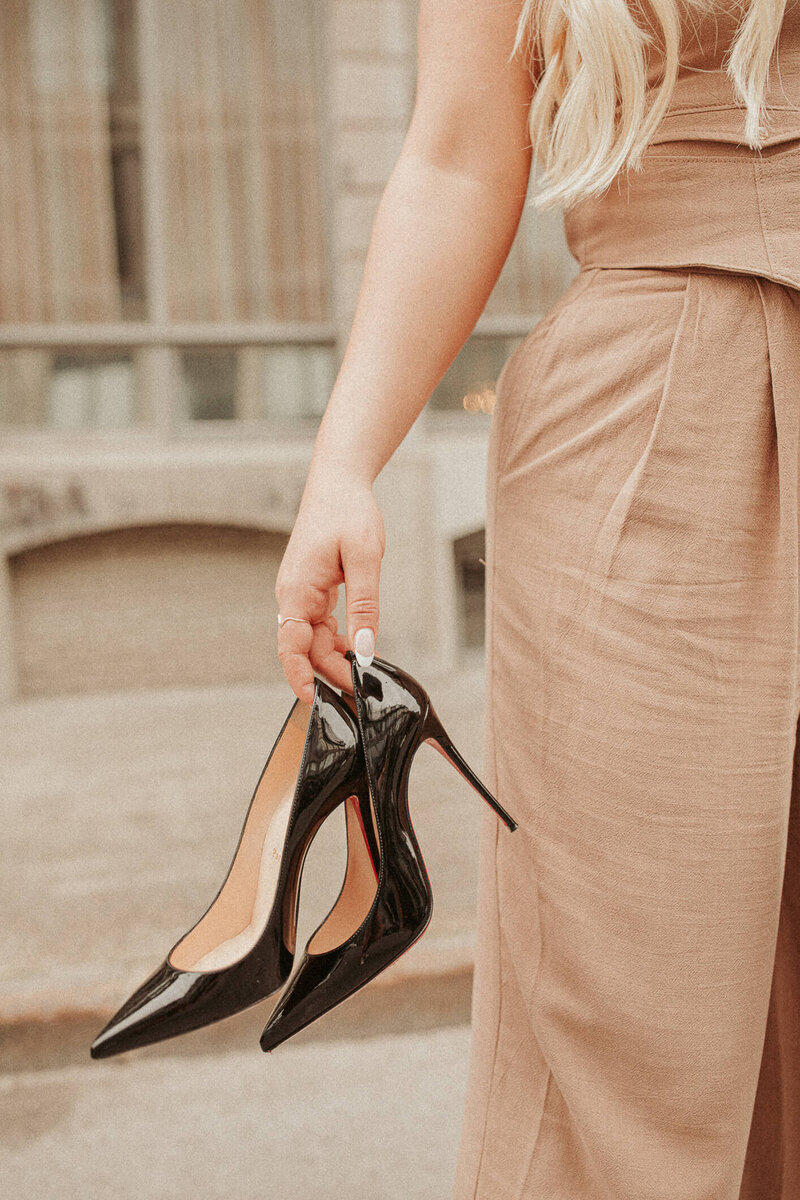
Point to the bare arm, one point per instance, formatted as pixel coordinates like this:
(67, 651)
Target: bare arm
(444, 226)
(443, 230)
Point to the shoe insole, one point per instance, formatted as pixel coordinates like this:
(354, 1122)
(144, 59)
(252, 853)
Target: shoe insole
(237, 918)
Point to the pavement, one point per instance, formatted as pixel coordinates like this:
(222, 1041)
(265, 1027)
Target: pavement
(376, 1119)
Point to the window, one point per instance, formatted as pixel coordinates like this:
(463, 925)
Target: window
(164, 257)
(274, 383)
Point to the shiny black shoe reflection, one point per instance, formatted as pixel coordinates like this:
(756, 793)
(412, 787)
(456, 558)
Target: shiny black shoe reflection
(242, 949)
(375, 921)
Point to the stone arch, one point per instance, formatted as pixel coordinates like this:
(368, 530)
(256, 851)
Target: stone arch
(170, 604)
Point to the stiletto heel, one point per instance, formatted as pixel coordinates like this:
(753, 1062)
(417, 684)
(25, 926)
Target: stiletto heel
(434, 732)
(242, 949)
(374, 923)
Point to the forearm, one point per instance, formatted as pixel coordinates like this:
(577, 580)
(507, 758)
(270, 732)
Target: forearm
(438, 243)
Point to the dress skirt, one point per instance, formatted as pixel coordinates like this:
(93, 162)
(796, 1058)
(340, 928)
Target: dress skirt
(636, 998)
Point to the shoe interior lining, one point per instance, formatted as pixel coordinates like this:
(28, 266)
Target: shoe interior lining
(358, 890)
(351, 704)
(238, 916)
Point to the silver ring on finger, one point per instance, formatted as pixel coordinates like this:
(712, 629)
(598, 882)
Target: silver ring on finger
(283, 620)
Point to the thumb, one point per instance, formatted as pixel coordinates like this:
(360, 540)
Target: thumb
(362, 583)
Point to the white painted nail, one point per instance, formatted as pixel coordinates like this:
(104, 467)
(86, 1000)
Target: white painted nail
(364, 646)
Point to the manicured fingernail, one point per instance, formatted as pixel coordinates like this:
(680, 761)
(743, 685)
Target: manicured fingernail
(364, 646)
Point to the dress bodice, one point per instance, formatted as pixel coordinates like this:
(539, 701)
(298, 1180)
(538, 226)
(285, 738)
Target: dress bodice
(703, 197)
(704, 104)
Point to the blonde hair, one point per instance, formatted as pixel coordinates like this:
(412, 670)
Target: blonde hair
(591, 115)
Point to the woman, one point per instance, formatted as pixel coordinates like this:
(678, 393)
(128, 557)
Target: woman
(637, 968)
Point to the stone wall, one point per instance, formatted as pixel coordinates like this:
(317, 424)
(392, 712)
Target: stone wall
(157, 567)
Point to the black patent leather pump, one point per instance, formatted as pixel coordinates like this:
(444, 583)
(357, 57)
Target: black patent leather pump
(242, 949)
(374, 922)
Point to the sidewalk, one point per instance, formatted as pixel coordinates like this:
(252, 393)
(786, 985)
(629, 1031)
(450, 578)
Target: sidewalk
(372, 1120)
(122, 815)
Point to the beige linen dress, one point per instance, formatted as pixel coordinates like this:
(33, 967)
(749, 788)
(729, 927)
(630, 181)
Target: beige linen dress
(636, 999)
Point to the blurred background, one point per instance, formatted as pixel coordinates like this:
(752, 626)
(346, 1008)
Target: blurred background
(187, 189)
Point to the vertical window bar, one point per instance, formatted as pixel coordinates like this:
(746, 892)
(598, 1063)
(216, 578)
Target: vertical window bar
(159, 379)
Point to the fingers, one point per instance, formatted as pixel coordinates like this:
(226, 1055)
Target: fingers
(314, 645)
(340, 643)
(361, 563)
(319, 649)
(314, 649)
(327, 657)
(295, 639)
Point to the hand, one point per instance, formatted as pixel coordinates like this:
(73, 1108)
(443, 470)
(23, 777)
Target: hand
(338, 537)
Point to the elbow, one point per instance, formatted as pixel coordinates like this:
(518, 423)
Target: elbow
(456, 142)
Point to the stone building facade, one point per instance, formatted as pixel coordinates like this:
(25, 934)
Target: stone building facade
(186, 226)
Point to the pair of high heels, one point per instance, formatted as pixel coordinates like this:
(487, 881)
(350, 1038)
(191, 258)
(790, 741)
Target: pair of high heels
(338, 749)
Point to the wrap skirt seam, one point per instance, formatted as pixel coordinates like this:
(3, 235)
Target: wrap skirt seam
(495, 831)
(496, 476)
(537, 1138)
(759, 281)
(496, 1047)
